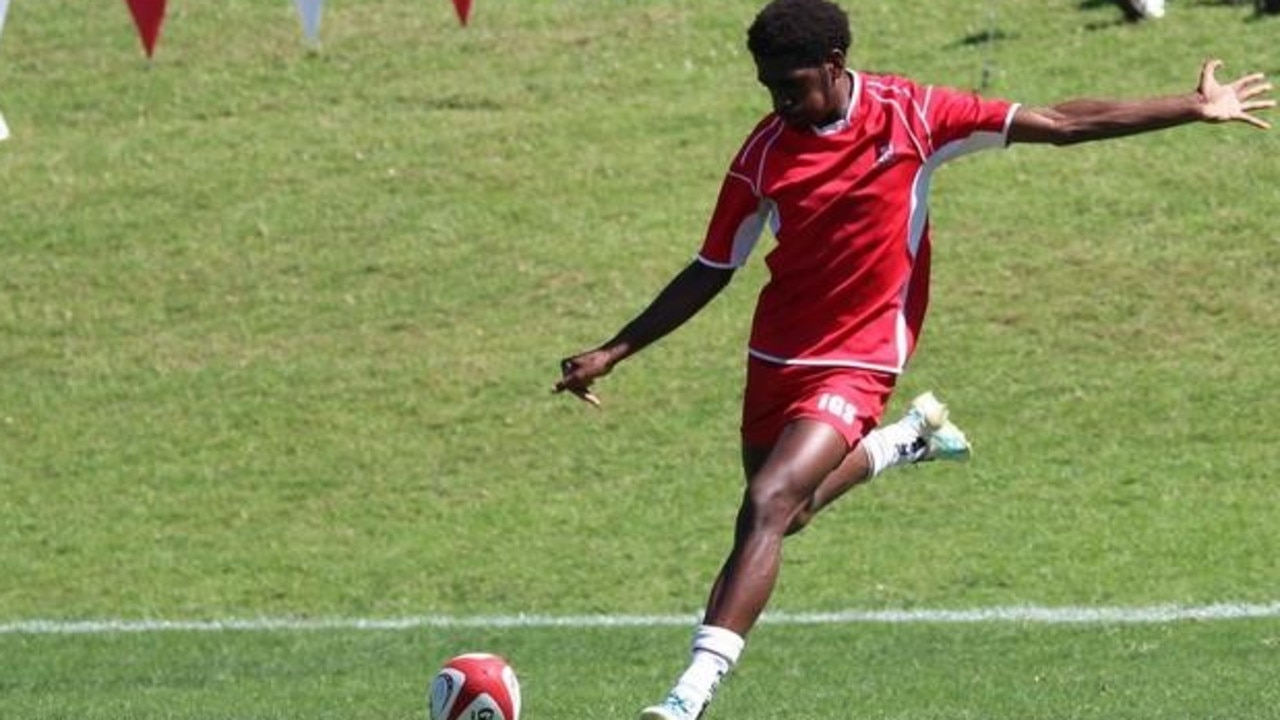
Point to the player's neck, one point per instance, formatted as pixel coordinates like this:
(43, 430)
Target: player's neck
(844, 90)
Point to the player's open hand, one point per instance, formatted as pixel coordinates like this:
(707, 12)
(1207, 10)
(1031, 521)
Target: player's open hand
(578, 372)
(1236, 101)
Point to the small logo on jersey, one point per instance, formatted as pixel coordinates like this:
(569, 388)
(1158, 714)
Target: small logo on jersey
(885, 154)
(835, 405)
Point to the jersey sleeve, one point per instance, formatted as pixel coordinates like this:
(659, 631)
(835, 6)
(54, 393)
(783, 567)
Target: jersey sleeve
(961, 122)
(741, 211)
(736, 223)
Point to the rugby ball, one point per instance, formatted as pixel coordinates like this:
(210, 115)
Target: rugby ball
(474, 686)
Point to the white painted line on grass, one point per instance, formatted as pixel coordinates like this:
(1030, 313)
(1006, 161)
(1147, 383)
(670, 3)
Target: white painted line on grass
(1008, 614)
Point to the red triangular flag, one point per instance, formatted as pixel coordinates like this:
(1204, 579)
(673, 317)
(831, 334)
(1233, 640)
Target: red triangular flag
(147, 15)
(464, 10)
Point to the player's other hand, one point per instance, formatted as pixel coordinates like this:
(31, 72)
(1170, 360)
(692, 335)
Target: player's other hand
(578, 372)
(1238, 100)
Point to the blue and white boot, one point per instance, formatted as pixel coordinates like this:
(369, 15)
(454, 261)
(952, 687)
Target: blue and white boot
(941, 439)
(674, 707)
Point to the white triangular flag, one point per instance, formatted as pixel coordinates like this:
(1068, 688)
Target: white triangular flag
(310, 11)
(4, 10)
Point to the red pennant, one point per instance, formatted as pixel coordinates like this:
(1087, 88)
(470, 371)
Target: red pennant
(148, 16)
(464, 10)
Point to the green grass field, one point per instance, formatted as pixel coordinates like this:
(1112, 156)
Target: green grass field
(278, 328)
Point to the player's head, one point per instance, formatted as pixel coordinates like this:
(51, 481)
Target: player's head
(799, 47)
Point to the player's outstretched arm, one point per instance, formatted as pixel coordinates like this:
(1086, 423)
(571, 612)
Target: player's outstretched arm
(679, 301)
(1076, 121)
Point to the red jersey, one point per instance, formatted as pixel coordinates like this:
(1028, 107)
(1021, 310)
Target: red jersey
(847, 203)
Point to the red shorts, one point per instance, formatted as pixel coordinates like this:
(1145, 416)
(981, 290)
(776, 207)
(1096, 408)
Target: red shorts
(851, 400)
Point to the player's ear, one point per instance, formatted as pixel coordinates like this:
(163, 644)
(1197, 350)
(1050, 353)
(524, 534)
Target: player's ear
(835, 63)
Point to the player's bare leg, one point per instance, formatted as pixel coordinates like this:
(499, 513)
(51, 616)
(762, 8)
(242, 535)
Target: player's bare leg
(778, 489)
(924, 433)
(806, 470)
(853, 471)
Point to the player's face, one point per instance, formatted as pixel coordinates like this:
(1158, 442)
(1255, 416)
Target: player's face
(803, 95)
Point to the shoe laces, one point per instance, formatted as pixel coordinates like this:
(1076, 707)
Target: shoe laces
(680, 705)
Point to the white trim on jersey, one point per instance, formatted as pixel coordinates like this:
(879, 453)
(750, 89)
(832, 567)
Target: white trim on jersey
(775, 128)
(764, 157)
(842, 123)
(712, 263)
(952, 150)
(921, 148)
(747, 235)
(824, 362)
(920, 204)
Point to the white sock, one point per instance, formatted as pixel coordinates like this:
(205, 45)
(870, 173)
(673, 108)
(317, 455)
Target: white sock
(893, 445)
(715, 651)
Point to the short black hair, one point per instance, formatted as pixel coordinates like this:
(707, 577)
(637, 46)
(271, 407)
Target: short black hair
(803, 30)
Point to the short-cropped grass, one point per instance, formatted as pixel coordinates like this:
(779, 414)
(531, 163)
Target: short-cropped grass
(278, 327)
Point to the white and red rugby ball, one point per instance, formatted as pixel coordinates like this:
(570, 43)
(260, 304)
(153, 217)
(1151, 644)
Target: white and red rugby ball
(475, 686)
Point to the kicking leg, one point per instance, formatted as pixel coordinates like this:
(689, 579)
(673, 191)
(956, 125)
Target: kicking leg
(924, 433)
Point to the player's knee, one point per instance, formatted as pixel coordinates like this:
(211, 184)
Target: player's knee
(775, 507)
(801, 519)
(803, 515)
